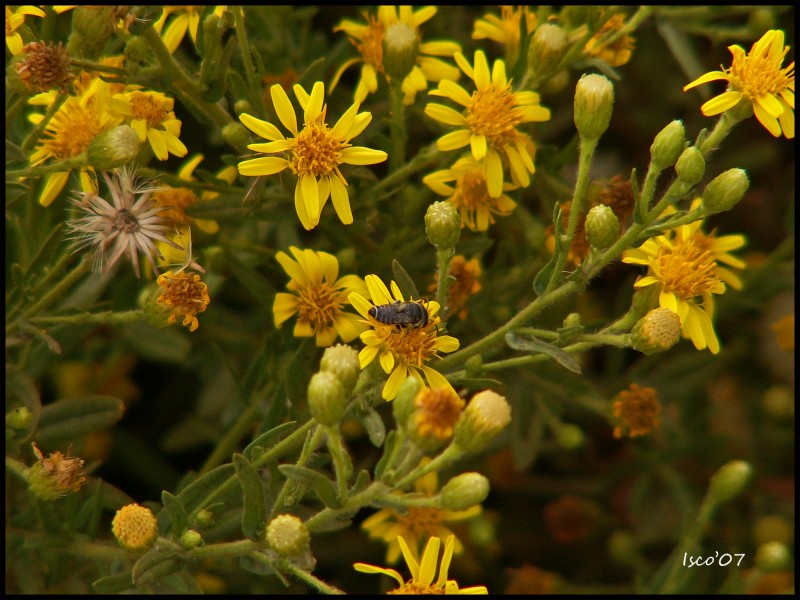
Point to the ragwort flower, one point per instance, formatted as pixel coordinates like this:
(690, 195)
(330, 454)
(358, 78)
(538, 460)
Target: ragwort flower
(183, 18)
(489, 121)
(152, 117)
(14, 20)
(184, 295)
(319, 297)
(403, 350)
(315, 152)
(616, 53)
(684, 265)
(423, 572)
(757, 78)
(368, 40)
(505, 29)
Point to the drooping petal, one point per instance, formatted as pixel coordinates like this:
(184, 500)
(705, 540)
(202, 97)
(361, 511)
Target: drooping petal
(341, 201)
(284, 108)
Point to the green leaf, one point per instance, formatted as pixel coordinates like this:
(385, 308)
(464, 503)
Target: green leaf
(196, 492)
(158, 345)
(324, 487)
(374, 426)
(362, 481)
(404, 281)
(534, 346)
(267, 439)
(154, 565)
(113, 584)
(70, 418)
(254, 511)
(177, 514)
(388, 450)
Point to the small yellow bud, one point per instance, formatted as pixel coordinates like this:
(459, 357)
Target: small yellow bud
(442, 225)
(114, 148)
(287, 535)
(725, 191)
(326, 398)
(342, 361)
(594, 102)
(464, 491)
(730, 480)
(400, 47)
(191, 539)
(691, 166)
(772, 557)
(204, 518)
(602, 227)
(135, 527)
(658, 331)
(668, 145)
(487, 414)
(547, 47)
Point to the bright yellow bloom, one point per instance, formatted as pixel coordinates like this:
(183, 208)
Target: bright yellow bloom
(315, 152)
(319, 297)
(758, 79)
(683, 264)
(135, 527)
(151, 116)
(403, 350)
(368, 38)
(470, 194)
(423, 572)
(418, 524)
(14, 20)
(505, 28)
(185, 18)
(488, 123)
(618, 52)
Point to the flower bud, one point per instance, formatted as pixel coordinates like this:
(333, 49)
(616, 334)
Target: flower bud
(191, 539)
(155, 313)
(403, 404)
(20, 418)
(487, 414)
(135, 527)
(342, 361)
(137, 52)
(622, 547)
(691, 166)
(236, 134)
(55, 476)
(773, 528)
(594, 102)
(658, 331)
(287, 535)
(113, 148)
(730, 480)
(442, 225)
(400, 47)
(772, 556)
(556, 83)
(668, 145)
(570, 436)
(204, 518)
(547, 47)
(92, 26)
(45, 66)
(725, 191)
(602, 227)
(464, 491)
(326, 398)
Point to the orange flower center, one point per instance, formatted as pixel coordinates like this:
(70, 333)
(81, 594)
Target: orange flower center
(315, 151)
(371, 44)
(177, 199)
(492, 113)
(437, 413)
(759, 75)
(410, 346)
(148, 108)
(686, 269)
(185, 295)
(71, 131)
(319, 305)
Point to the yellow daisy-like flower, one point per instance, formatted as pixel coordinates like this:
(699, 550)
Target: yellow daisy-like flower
(153, 119)
(403, 350)
(505, 28)
(423, 572)
(489, 121)
(185, 18)
(315, 152)
(470, 193)
(14, 20)
(683, 263)
(758, 79)
(318, 298)
(368, 40)
(418, 524)
(616, 53)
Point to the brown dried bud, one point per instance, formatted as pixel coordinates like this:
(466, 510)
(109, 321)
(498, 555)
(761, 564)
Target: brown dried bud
(45, 66)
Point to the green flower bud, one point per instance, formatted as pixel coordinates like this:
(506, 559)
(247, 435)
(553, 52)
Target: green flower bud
(400, 49)
(91, 29)
(464, 491)
(772, 556)
(242, 106)
(113, 148)
(20, 418)
(602, 227)
(236, 134)
(594, 102)
(204, 518)
(668, 145)
(287, 535)
(570, 436)
(191, 539)
(442, 225)
(55, 476)
(622, 547)
(326, 398)
(730, 480)
(155, 312)
(487, 414)
(725, 191)
(342, 361)
(691, 166)
(658, 331)
(547, 47)
(137, 52)
(403, 404)
(556, 83)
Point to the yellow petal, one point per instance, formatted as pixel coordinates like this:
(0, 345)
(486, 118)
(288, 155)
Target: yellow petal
(445, 114)
(341, 201)
(394, 382)
(377, 290)
(284, 108)
(454, 140)
(494, 174)
(264, 165)
(262, 128)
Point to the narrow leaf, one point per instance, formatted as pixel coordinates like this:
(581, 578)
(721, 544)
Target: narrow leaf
(404, 281)
(177, 514)
(70, 418)
(113, 584)
(195, 493)
(533, 346)
(373, 423)
(268, 439)
(388, 450)
(254, 511)
(322, 486)
(154, 565)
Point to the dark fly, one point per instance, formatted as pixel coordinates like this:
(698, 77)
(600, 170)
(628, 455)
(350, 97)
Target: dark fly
(409, 315)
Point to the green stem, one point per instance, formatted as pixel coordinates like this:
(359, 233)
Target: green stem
(423, 159)
(443, 256)
(308, 448)
(445, 459)
(353, 502)
(307, 578)
(247, 63)
(648, 191)
(12, 111)
(721, 130)
(225, 549)
(108, 317)
(34, 135)
(340, 463)
(60, 166)
(59, 290)
(397, 128)
(97, 67)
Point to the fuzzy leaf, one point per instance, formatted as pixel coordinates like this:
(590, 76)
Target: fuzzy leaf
(193, 494)
(69, 418)
(534, 346)
(404, 281)
(324, 487)
(113, 584)
(154, 565)
(267, 439)
(254, 511)
(177, 514)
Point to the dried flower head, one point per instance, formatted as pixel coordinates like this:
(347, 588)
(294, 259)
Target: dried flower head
(44, 67)
(55, 476)
(638, 411)
(185, 295)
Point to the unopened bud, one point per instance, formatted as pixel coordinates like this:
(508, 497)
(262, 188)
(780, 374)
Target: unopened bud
(487, 414)
(725, 191)
(602, 227)
(92, 26)
(114, 148)
(464, 491)
(691, 166)
(547, 47)
(156, 313)
(594, 102)
(326, 398)
(287, 535)
(668, 145)
(400, 47)
(342, 361)
(137, 51)
(570, 436)
(191, 539)
(658, 331)
(773, 528)
(204, 518)
(556, 83)
(730, 480)
(442, 225)
(20, 418)
(236, 134)
(403, 404)
(135, 527)
(772, 557)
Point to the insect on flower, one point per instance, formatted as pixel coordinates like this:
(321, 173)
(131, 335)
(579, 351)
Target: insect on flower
(410, 315)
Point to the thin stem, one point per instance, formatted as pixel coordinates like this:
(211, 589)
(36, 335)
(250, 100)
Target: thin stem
(445, 459)
(340, 463)
(247, 62)
(648, 191)
(308, 448)
(443, 256)
(228, 443)
(108, 317)
(397, 128)
(721, 130)
(60, 166)
(308, 578)
(223, 549)
(353, 502)
(60, 289)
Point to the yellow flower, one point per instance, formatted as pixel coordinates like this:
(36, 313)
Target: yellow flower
(757, 78)
(683, 264)
(14, 20)
(318, 297)
(368, 38)
(315, 152)
(151, 115)
(185, 295)
(403, 350)
(488, 123)
(185, 18)
(418, 524)
(135, 527)
(505, 28)
(637, 410)
(618, 52)
(470, 194)
(423, 572)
